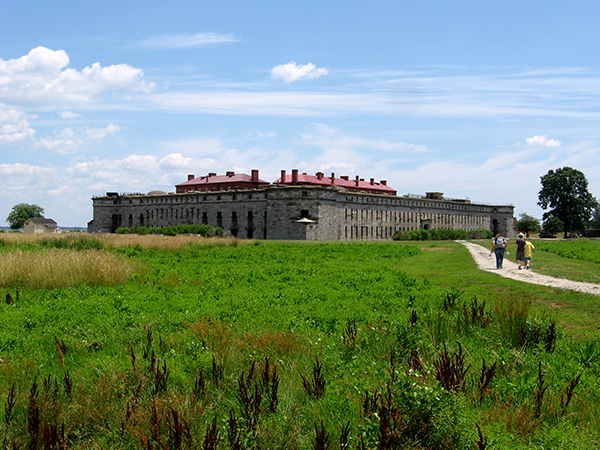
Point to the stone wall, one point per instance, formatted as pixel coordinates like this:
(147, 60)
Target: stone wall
(299, 213)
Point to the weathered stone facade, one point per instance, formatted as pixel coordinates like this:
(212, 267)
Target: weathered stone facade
(299, 213)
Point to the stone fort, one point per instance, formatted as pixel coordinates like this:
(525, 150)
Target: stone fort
(296, 206)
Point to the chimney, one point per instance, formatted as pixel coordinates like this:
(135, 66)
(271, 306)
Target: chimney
(344, 177)
(357, 180)
(230, 173)
(282, 177)
(384, 182)
(212, 174)
(332, 178)
(372, 181)
(191, 176)
(319, 175)
(254, 176)
(294, 176)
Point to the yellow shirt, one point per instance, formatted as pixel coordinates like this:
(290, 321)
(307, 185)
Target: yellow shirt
(529, 249)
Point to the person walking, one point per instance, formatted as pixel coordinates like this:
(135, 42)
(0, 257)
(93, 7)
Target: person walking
(498, 248)
(529, 249)
(521, 250)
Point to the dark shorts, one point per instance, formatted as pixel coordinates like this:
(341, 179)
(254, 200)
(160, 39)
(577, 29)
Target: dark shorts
(520, 255)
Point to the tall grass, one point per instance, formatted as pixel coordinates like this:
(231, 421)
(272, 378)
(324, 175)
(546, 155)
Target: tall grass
(512, 319)
(55, 268)
(80, 241)
(172, 243)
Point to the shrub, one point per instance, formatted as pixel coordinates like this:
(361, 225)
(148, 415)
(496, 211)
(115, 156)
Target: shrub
(414, 415)
(440, 234)
(201, 230)
(141, 230)
(480, 234)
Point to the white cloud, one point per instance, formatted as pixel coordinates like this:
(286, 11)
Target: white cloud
(542, 142)
(25, 170)
(176, 161)
(41, 77)
(68, 115)
(14, 127)
(329, 138)
(298, 104)
(39, 61)
(291, 72)
(171, 41)
(69, 141)
(11, 133)
(202, 146)
(436, 92)
(138, 163)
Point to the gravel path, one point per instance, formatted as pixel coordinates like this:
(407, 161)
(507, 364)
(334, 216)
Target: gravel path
(482, 257)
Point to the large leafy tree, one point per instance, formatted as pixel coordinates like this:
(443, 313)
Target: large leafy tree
(565, 192)
(552, 226)
(595, 222)
(21, 213)
(528, 224)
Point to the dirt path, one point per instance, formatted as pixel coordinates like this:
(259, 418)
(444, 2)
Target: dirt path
(487, 262)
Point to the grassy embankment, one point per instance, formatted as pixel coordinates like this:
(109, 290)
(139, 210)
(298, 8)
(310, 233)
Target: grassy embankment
(289, 345)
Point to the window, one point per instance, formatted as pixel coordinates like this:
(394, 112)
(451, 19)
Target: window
(265, 225)
(250, 231)
(234, 224)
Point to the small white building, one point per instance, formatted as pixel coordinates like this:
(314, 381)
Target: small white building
(41, 226)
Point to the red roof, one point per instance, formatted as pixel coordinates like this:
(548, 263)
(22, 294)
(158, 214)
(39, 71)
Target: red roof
(230, 180)
(352, 185)
(221, 179)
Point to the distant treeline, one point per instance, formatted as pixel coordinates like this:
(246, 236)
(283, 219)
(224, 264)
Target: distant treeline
(440, 234)
(201, 230)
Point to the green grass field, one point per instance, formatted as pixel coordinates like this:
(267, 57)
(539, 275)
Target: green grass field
(226, 344)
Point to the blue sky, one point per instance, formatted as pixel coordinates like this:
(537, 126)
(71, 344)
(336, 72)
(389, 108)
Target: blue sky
(469, 98)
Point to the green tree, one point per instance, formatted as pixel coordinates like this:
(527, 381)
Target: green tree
(565, 191)
(595, 222)
(552, 226)
(21, 213)
(528, 224)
